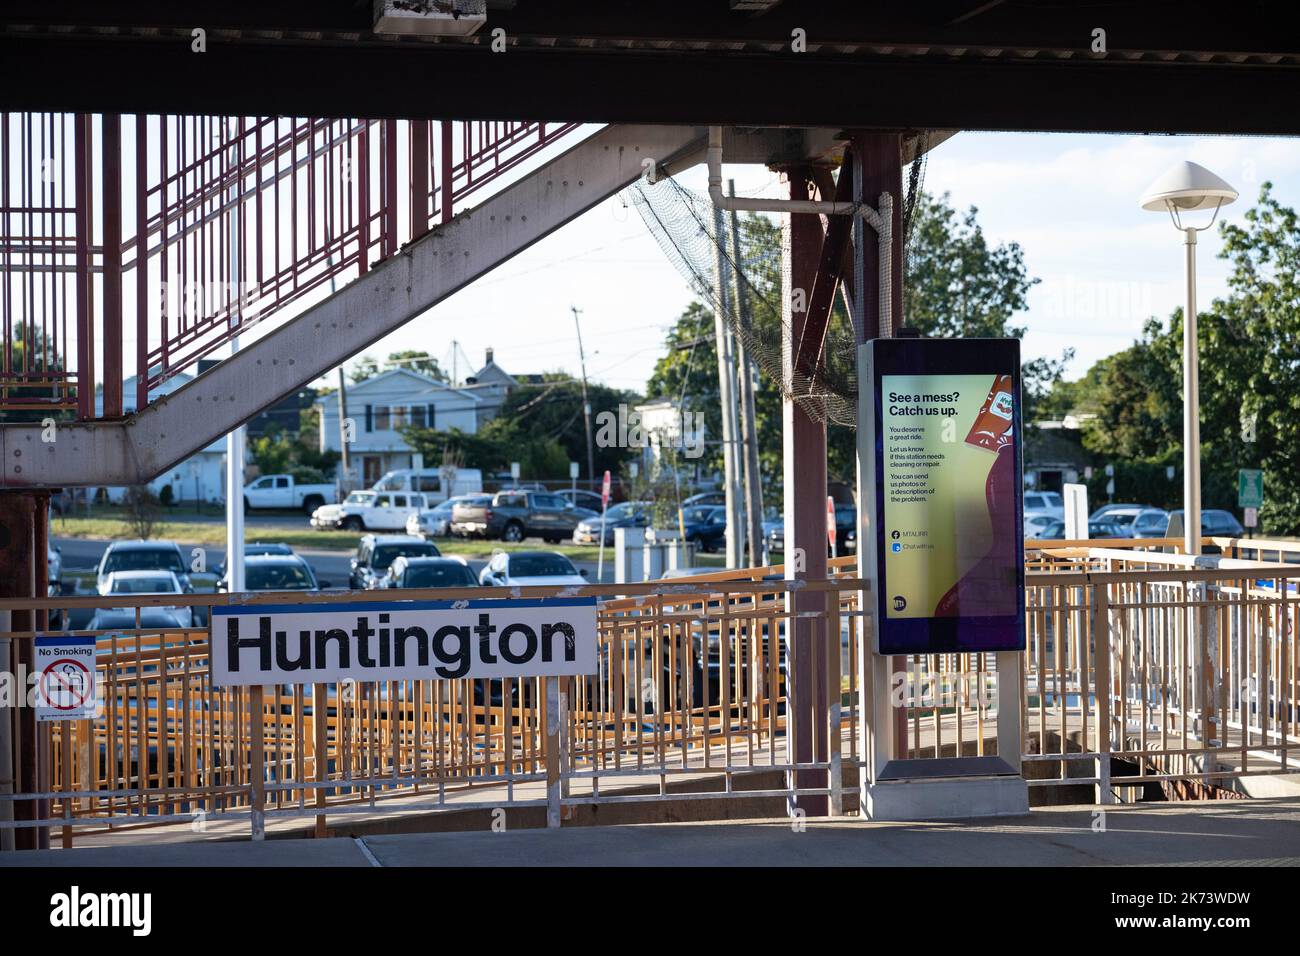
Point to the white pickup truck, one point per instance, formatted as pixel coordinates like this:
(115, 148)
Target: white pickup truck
(370, 511)
(282, 491)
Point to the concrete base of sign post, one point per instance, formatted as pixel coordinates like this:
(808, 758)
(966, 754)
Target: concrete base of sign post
(945, 789)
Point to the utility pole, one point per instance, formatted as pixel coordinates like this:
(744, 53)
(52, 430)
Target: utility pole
(586, 402)
(727, 396)
(753, 479)
(346, 458)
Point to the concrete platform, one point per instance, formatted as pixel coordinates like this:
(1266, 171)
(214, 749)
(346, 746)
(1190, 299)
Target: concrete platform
(1219, 833)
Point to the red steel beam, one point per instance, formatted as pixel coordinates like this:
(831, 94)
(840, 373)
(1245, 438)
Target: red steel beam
(419, 178)
(85, 326)
(830, 267)
(111, 218)
(445, 193)
(142, 296)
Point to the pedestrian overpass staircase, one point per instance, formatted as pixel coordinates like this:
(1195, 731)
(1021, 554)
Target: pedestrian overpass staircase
(208, 230)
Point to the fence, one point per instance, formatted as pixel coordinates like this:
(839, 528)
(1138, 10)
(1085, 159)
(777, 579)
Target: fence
(1141, 670)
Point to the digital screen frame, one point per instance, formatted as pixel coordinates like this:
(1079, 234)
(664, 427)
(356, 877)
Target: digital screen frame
(945, 491)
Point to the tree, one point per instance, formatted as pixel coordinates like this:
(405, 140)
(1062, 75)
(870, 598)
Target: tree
(958, 285)
(140, 510)
(1249, 349)
(416, 361)
(31, 349)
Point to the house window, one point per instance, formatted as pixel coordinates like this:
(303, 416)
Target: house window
(394, 417)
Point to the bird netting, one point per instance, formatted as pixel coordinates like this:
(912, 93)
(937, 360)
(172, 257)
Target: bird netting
(738, 265)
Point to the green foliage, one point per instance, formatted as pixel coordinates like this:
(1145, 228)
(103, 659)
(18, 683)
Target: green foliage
(553, 413)
(958, 285)
(1249, 357)
(416, 361)
(271, 452)
(32, 350)
(277, 453)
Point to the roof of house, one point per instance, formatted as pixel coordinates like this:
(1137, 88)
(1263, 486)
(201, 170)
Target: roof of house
(420, 385)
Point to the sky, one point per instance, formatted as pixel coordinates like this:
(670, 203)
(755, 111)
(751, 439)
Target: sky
(1070, 201)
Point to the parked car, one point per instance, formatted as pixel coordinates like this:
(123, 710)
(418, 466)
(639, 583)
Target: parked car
(1052, 529)
(278, 572)
(776, 538)
(522, 568)
(284, 491)
(846, 524)
(581, 499)
(434, 522)
(54, 583)
(1045, 502)
(377, 552)
(1034, 525)
(140, 582)
(428, 572)
(1107, 529)
(1109, 511)
(1121, 517)
(430, 482)
(515, 515)
(706, 527)
(124, 619)
(625, 514)
(1214, 523)
(370, 511)
(255, 547)
(143, 556)
(477, 501)
(1151, 523)
(846, 520)
(706, 498)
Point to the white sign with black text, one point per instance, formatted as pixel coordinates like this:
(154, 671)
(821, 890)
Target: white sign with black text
(408, 640)
(65, 687)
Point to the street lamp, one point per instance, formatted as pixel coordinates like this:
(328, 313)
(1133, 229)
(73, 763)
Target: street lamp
(1188, 187)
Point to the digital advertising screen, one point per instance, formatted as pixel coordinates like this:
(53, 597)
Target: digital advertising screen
(948, 516)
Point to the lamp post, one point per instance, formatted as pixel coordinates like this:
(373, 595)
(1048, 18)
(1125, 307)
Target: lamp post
(1188, 187)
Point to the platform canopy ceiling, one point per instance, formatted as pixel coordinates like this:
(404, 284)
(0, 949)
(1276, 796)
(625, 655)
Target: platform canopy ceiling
(1172, 66)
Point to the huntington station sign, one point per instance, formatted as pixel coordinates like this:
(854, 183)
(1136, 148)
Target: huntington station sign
(415, 640)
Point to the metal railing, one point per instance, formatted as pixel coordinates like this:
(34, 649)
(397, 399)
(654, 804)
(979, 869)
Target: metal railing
(204, 226)
(1141, 671)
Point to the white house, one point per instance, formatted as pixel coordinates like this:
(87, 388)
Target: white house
(381, 406)
(665, 426)
(201, 477)
(492, 384)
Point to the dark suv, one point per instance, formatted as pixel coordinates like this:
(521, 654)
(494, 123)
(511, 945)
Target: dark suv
(515, 515)
(377, 551)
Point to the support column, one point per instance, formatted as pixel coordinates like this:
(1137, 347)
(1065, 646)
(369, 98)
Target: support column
(23, 574)
(804, 455)
(879, 160)
(111, 224)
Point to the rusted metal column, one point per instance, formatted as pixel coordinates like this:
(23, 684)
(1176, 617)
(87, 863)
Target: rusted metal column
(85, 323)
(805, 518)
(388, 193)
(445, 191)
(142, 295)
(111, 219)
(878, 157)
(23, 574)
(419, 186)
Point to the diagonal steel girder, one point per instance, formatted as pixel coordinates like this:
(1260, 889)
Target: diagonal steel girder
(144, 445)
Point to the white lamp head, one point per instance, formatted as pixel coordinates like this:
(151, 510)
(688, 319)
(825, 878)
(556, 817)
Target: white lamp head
(1187, 186)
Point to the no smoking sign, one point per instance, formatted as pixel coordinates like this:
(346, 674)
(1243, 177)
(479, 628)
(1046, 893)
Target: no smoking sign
(65, 689)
